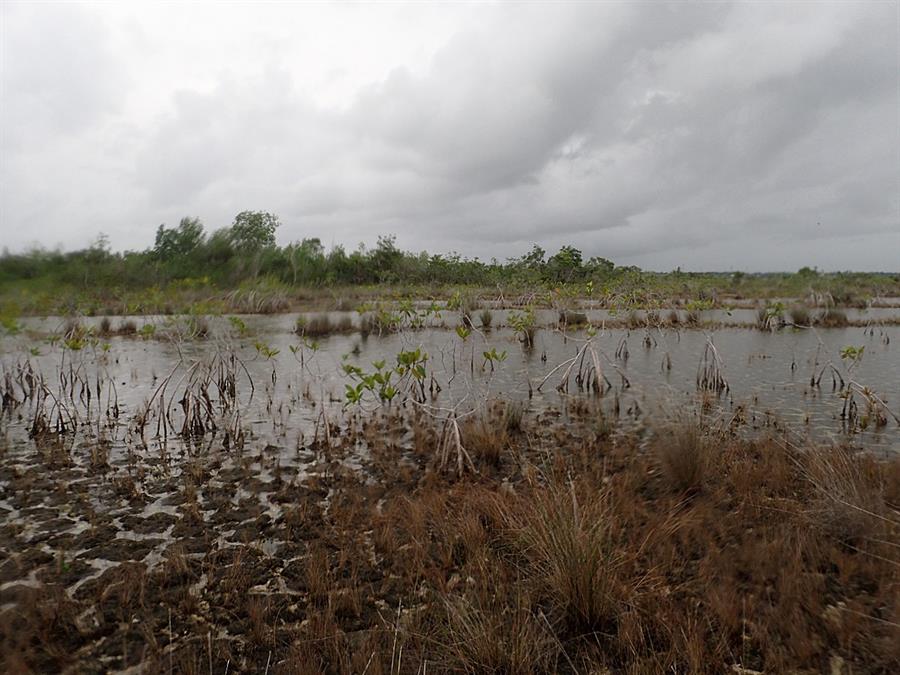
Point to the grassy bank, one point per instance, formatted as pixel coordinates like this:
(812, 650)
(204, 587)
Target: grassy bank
(41, 297)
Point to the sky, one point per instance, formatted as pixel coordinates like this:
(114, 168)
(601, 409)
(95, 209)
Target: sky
(703, 135)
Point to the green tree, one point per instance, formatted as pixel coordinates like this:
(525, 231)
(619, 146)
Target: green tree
(534, 259)
(252, 233)
(565, 266)
(254, 230)
(386, 258)
(600, 266)
(178, 242)
(307, 261)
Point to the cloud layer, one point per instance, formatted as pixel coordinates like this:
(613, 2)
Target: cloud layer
(711, 136)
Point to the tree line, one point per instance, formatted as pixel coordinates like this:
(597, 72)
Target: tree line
(247, 250)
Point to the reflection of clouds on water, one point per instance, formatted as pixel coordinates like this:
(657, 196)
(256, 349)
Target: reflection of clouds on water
(768, 373)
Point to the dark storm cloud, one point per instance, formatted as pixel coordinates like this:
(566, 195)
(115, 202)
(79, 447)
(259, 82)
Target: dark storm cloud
(704, 135)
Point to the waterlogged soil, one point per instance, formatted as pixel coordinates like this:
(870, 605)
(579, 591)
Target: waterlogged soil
(127, 549)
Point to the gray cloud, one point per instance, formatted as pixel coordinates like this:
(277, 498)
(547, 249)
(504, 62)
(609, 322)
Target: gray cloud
(711, 136)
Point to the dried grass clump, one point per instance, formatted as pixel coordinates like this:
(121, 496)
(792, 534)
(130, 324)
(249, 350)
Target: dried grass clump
(344, 324)
(832, 318)
(367, 324)
(486, 438)
(497, 638)
(849, 500)
(318, 325)
(570, 318)
(692, 318)
(799, 315)
(127, 327)
(513, 412)
(634, 320)
(684, 455)
(266, 298)
(564, 534)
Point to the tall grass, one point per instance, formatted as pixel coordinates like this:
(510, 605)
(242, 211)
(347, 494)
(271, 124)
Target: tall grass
(849, 493)
(564, 535)
(486, 438)
(502, 637)
(684, 455)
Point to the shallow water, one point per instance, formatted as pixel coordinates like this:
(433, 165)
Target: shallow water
(768, 373)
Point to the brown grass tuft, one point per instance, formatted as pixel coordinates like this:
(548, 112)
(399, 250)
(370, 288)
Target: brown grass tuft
(684, 455)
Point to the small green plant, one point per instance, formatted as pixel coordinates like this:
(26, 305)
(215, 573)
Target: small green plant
(852, 354)
(523, 323)
(9, 322)
(492, 356)
(699, 305)
(74, 343)
(266, 351)
(409, 372)
(770, 316)
(239, 325)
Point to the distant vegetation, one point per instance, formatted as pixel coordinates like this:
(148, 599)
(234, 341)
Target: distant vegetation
(186, 266)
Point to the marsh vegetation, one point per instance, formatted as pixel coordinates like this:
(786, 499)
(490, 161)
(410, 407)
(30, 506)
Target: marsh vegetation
(448, 487)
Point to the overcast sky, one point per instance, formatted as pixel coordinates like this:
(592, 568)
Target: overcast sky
(758, 136)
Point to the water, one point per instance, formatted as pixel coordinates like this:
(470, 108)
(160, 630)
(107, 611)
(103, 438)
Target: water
(768, 374)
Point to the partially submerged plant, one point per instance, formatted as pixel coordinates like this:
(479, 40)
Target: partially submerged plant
(487, 318)
(523, 324)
